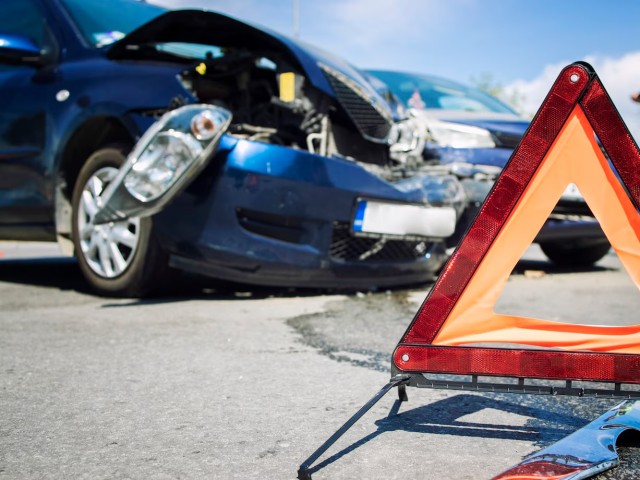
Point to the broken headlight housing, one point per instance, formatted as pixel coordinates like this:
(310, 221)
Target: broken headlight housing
(164, 161)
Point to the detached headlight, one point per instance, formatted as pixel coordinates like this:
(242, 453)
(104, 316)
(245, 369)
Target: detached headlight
(456, 135)
(164, 161)
(161, 164)
(170, 149)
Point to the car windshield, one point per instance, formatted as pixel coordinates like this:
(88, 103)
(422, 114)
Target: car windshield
(104, 22)
(427, 92)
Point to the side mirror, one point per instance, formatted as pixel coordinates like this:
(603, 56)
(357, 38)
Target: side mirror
(19, 49)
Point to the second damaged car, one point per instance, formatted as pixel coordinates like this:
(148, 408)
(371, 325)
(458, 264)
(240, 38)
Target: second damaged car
(473, 134)
(191, 140)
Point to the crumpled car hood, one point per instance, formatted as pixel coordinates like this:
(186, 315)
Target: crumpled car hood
(206, 27)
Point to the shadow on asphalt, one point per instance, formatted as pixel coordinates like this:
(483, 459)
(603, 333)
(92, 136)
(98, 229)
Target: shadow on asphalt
(63, 273)
(56, 272)
(547, 267)
(443, 417)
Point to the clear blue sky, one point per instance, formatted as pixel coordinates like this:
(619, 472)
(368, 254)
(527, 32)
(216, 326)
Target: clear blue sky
(521, 44)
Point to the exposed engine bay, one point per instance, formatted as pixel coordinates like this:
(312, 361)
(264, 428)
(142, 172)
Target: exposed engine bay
(273, 102)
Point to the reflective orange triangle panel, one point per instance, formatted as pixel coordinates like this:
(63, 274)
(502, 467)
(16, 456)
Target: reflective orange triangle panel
(559, 148)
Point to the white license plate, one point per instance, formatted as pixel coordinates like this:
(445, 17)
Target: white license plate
(401, 219)
(572, 193)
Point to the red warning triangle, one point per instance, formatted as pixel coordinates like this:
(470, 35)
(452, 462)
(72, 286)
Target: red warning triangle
(560, 147)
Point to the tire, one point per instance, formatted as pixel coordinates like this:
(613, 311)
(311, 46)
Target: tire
(572, 255)
(120, 258)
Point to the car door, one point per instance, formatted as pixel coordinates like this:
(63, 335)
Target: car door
(26, 87)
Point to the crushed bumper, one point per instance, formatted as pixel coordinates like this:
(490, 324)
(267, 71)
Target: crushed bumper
(270, 215)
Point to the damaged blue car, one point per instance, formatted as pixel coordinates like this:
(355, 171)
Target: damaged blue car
(146, 140)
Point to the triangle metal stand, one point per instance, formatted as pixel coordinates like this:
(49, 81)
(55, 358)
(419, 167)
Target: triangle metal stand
(400, 381)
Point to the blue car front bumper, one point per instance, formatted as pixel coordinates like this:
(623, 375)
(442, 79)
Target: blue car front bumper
(273, 215)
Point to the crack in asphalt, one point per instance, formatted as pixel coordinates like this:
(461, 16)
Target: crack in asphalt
(341, 334)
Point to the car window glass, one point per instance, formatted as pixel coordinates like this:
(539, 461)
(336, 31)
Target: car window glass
(104, 22)
(190, 50)
(22, 17)
(420, 91)
(198, 51)
(462, 104)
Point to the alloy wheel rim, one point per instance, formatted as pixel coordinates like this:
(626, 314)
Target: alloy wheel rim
(109, 248)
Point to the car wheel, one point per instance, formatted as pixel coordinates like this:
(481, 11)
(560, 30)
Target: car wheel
(117, 258)
(572, 255)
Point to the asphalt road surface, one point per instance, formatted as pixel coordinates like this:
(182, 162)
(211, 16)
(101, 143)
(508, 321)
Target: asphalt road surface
(245, 383)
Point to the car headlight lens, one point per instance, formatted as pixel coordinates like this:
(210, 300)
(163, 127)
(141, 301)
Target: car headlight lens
(171, 153)
(165, 154)
(164, 160)
(456, 135)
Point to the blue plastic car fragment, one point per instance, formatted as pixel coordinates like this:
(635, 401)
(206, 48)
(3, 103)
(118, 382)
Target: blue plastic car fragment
(583, 454)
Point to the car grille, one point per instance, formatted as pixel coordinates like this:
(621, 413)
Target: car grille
(506, 140)
(370, 119)
(345, 246)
